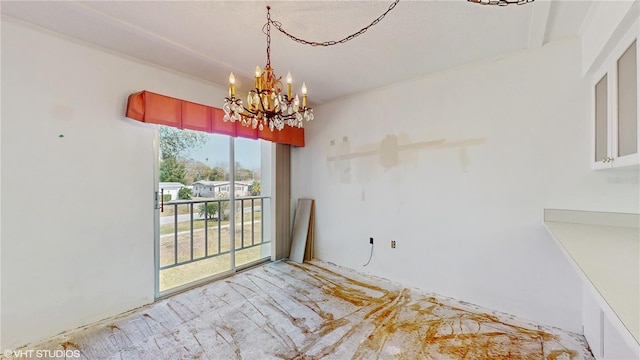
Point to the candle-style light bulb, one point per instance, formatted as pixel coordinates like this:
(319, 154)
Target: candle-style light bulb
(289, 83)
(304, 95)
(232, 85)
(258, 80)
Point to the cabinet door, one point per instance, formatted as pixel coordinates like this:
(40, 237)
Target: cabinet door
(601, 157)
(614, 345)
(592, 321)
(625, 137)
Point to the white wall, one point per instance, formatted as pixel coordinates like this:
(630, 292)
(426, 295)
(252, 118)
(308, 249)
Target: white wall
(466, 212)
(605, 23)
(72, 255)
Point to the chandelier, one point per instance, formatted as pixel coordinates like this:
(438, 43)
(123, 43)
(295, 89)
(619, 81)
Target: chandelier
(500, 2)
(267, 105)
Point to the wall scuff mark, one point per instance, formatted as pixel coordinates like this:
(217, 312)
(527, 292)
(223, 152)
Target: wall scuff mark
(393, 151)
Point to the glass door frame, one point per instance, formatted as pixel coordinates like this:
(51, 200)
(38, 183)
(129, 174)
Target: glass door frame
(232, 222)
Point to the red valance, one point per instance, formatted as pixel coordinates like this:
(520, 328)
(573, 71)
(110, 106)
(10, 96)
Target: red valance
(154, 108)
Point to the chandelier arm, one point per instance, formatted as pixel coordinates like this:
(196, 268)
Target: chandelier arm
(278, 26)
(249, 111)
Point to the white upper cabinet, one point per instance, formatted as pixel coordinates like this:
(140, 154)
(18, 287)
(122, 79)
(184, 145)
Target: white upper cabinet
(615, 106)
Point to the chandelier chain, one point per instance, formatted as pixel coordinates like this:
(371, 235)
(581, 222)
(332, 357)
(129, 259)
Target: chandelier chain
(278, 26)
(501, 2)
(268, 36)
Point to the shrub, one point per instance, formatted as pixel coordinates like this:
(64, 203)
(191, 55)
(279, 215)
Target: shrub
(208, 211)
(255, 188)
(185, 193)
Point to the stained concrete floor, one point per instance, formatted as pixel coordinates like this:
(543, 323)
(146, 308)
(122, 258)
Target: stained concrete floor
(315, 311)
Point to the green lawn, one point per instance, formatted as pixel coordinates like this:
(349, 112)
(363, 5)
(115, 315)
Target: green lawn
(183, 274)
(200, 223)
(194, 271)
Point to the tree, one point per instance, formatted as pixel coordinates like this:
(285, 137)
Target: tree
(172, 170)
(255, 189)
(219, 173)
(185, 193)
(196, 170)
(174, 142)
(243, 174)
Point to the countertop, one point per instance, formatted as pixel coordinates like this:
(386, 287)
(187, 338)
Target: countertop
(606, 248)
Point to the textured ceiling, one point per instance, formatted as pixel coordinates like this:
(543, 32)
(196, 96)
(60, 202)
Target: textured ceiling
(208, 39)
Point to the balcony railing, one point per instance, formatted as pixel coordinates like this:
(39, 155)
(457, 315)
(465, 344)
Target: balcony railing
(200, 229)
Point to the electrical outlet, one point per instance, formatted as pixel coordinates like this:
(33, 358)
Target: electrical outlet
(393, 244)
(371, 241)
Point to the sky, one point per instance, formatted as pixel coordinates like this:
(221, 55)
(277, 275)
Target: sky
(216, 151)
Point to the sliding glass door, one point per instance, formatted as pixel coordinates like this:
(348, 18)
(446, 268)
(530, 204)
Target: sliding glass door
(210, 196)
(251, 235)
